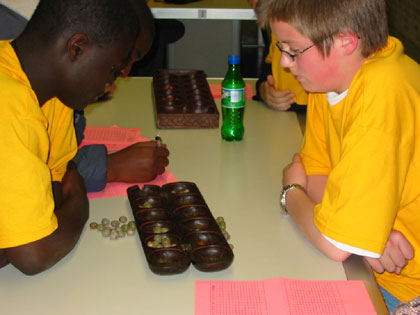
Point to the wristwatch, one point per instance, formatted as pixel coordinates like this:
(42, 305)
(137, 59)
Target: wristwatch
(284, 192)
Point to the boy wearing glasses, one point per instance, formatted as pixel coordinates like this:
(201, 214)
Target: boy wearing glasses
(353, 189)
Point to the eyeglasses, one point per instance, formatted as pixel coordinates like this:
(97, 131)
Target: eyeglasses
(293, 56)
(290, 55)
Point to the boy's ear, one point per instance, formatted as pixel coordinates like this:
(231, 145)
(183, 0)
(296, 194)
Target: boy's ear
(349, 41)
(77, 46)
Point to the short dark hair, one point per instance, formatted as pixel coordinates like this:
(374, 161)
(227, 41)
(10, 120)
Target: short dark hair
(102, 21)
(145, 16)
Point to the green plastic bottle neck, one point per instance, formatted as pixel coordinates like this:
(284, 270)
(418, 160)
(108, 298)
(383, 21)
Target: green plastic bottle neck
(233, 72)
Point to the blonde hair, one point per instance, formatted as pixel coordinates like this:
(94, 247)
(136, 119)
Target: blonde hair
(319, 20)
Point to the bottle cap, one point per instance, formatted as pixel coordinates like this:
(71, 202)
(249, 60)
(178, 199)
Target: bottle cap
(233, 60)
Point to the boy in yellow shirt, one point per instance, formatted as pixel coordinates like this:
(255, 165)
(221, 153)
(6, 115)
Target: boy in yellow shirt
(357, 172)
(69, 53)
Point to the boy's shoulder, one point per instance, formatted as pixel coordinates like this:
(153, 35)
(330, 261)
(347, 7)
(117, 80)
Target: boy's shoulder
(391, 60)
(389, 68)
(16, 94)
(11, 72)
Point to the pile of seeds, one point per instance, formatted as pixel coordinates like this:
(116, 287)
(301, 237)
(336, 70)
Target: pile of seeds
(222, 225)
(160, 241)
(116, 228)
(184, 191)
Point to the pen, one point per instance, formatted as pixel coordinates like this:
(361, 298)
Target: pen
(158, 141)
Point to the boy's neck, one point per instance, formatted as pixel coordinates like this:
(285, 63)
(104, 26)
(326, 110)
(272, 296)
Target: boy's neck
(349, 71)
(37, 65)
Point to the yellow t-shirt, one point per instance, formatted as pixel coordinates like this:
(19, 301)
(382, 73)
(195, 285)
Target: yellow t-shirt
(36, 145)
(283, 78)
(369, 146)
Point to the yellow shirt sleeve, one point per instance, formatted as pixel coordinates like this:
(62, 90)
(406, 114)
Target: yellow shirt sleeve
(314, 150)
(63, 143)
(26, 194)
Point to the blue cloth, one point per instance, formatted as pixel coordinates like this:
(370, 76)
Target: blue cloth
(92, 164)
(391, 301)
(91, 160)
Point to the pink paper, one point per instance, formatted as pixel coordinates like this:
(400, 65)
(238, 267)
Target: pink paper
(111, 135)
(216, 90)
(116, 138)
(282, 296)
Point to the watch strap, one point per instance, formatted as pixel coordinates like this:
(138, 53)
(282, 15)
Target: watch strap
(284, 192)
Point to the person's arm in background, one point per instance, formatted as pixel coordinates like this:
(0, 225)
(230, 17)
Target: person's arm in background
(72, 212)
(140, 162)
(277, 100)
(266, 92)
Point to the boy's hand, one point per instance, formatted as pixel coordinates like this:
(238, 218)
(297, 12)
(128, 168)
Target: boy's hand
(140, 162)
(397, 253)
(294, 173)
(277, 100)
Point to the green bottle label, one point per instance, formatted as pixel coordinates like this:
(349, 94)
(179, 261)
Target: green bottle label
(233, 98)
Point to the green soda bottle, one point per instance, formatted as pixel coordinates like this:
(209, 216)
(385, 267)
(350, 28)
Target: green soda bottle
(233, 102)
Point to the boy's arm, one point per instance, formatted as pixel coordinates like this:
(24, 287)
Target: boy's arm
(139, 162)
(301, 207)
(316, 186)
(72, 212)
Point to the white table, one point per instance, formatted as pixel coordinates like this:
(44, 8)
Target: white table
(239, 180)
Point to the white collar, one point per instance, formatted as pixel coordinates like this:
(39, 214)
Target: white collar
(334, 98)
